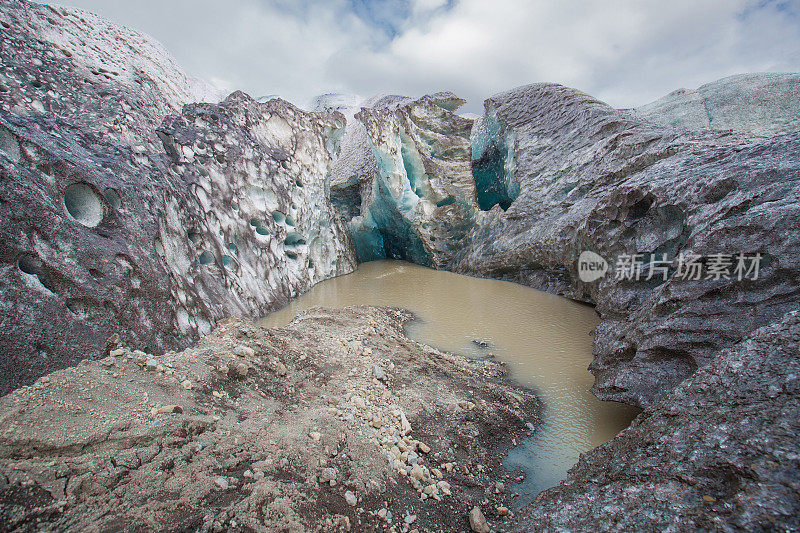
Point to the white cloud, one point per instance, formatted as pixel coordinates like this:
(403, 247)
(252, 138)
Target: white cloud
(424, 7)
(625, 52)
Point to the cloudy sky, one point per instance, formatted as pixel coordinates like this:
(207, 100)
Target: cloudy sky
(624, 52)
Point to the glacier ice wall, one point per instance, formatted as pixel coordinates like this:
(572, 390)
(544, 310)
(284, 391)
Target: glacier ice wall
(493, 161)
(403, 180)
(758, 103)
(126, 210)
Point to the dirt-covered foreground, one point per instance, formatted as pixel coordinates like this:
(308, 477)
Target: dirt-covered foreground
(338, 422)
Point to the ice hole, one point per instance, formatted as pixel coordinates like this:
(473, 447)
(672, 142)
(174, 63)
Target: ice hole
(294, 239)
(113, 198)
(206, 258)
(83, 204)
(29, 265)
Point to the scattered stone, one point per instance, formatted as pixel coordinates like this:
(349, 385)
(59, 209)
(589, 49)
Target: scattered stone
(113, 342)
(327, 475)
(358, 401)
(477, 522)
(244, 351)
(239, 371)
(186, 384)
(170, 409)
(378, 372)
(350, 498)
(502, 510)
(405, 426)
(241, 443)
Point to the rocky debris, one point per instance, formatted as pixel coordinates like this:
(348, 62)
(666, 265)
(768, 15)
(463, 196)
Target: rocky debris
(757, 103)
(567, 173)
(110, 447)
(128, 212)
(718, 452)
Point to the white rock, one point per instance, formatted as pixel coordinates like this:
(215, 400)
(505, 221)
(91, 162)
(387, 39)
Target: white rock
(358, 401)
(466, 405)
(244, 351)
(327, 475)
(405, 426)
(477, 522)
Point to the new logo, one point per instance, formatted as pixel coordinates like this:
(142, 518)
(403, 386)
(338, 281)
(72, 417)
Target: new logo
(591, 266)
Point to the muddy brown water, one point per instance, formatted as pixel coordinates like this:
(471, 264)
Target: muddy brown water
(545, 340)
